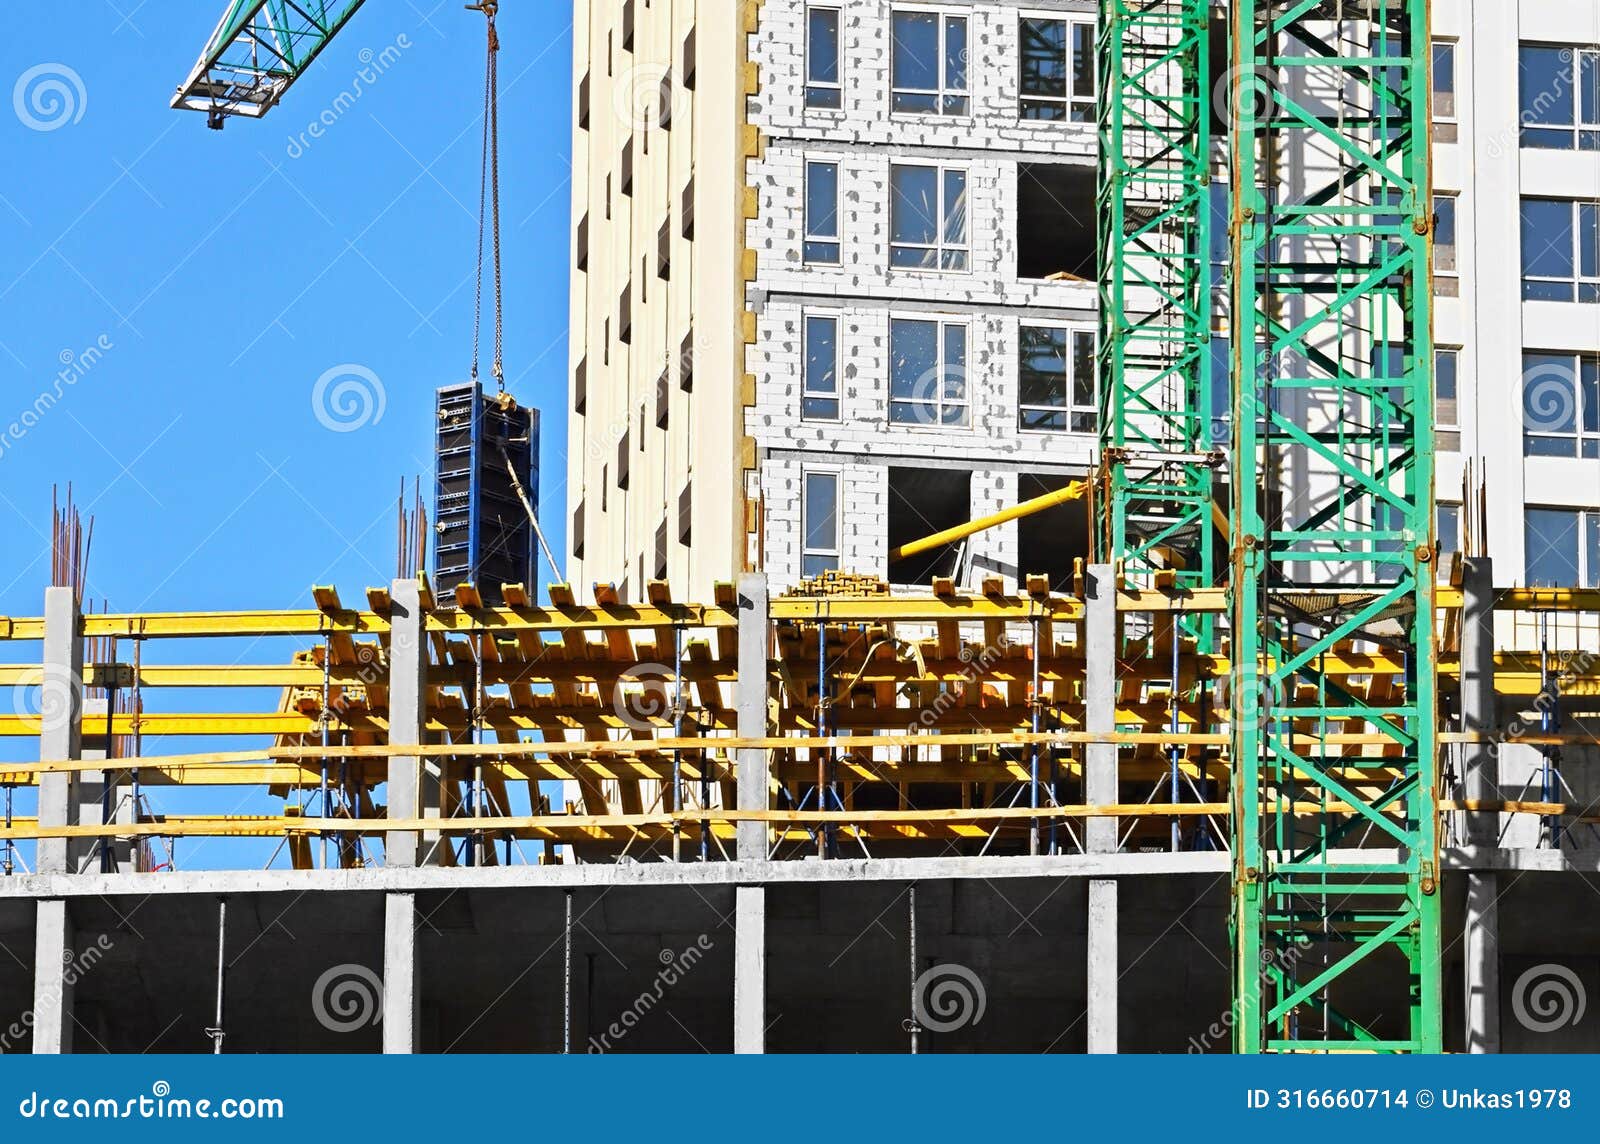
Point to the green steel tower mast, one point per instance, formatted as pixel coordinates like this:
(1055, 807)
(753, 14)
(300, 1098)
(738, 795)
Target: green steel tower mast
(1153, 504)
(1332, 529)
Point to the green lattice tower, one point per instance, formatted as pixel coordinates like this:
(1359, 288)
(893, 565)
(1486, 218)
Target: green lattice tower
(1153, 507)
(1332, 387)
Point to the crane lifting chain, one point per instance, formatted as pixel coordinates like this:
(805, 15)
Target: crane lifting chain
(489, 189)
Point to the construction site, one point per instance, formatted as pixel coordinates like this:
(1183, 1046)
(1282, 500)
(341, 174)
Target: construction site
(1081, 602)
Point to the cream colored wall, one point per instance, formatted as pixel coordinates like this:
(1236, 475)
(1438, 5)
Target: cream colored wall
(703, 441)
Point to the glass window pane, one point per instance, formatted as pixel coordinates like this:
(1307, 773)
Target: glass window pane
(1589, 88)
(1550, 539)
(1547, 238)
(1444, 375)
(1549, 393)
(955, 363)
(955, 53)
(913, 204)
(1591, 549)
(822, 356)
(1547, 82)
(1042, 366)
(1083, 387)
(955, 207)
(1444, 68)
(822, 45)
(916, 51)
(1449, 528)
(822, 200)
(1589, 240)
(1589, 387)
(1444, 212)
(913, 357)
(822, 494)
(1083, 60)
(1044, 58)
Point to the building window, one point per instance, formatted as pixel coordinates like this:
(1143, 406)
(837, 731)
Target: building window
(1448, 530)
(822, 212)
(1560, 405)
(823, 89)
(1055, 367)
(1445, 128)
(1560, 250)
(1056, 71)
(1445, 281)
(1561, 548)
(928, 70)
(820, 523)
(927, 217)
(819, 397)
(1560, 97)
(1447, 424)
(928, 373)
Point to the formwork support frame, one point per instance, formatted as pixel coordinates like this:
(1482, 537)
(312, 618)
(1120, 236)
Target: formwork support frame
(1331, 374)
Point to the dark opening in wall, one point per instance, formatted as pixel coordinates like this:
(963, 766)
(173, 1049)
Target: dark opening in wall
(1049, 541)
(1056, 221)
(922, 502)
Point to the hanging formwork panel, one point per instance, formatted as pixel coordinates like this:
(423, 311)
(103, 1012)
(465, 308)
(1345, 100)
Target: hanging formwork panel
(486, 464)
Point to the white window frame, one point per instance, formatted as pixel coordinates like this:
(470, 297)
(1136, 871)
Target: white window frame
(838, 195)
(1587, 577)
(940, 368)
(1579, 280)
(1070, 408)
(1578, 125)
(837, 396)
(834, 554)
(1454, 47)
(1453, 270)
(944, 91)
(1585, 442)
(1441, 427)
(1070, 101)
(838, 63)
(940, 245)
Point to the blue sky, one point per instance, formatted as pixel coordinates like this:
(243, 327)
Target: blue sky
(178, 293)
(221, 274)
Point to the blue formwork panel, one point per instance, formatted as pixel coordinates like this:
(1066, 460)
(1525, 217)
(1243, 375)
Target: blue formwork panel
(481, 532)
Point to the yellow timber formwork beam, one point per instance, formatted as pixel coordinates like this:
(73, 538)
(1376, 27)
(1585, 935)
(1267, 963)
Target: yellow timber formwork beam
(1074, 491)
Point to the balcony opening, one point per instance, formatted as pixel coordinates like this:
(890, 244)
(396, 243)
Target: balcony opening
(922, 502)
(1049, 541)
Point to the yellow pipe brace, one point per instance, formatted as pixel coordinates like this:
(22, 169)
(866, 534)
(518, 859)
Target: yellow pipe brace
(1072, 492)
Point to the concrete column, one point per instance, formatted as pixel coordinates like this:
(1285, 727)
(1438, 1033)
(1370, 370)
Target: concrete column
(408, 660)
(1480, 781)
(1103, 973)
(53, 977)
(1101, 788)
(402, 986)
(751, 696)
(1100, 704)
(750, 969)
(754, 779)
(61, 722)
(1480, 767)
(1480, 946)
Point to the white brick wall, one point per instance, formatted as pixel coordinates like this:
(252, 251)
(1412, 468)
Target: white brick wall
(863, 292)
